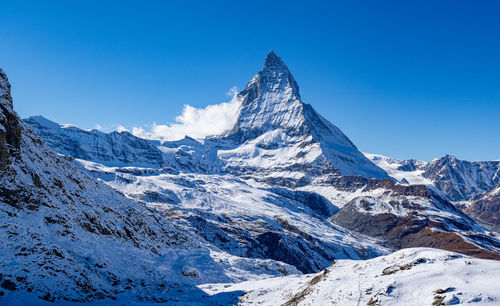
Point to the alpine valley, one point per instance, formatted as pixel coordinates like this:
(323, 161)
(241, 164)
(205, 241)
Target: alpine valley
(282, 209)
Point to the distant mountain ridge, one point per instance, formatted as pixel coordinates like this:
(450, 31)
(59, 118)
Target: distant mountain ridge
(459, 180)
(473, 186)
(116, 148)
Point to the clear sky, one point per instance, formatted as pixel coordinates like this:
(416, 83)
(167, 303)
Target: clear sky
(409, 79)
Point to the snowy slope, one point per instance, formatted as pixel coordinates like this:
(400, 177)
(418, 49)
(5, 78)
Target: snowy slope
(417, 276)
(404, 171)
(244, 219)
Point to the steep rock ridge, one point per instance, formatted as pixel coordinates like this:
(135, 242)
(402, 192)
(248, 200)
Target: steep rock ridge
(272, 112)
(270, 101)
(66, 236)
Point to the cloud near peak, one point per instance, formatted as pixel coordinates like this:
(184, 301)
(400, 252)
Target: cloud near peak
(196, 122)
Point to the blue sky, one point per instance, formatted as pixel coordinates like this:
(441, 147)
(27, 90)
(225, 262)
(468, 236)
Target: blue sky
(409, 79)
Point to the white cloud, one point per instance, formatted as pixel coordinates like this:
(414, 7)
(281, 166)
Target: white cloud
(120, 128)
(196, 122)
(232, 92)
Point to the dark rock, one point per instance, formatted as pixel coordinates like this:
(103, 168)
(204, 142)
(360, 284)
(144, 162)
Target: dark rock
(8, 284)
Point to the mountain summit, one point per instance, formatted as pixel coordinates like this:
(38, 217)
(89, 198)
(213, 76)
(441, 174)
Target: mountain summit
(273, 60)
(272, 108)
(277, 139)
(270, 100)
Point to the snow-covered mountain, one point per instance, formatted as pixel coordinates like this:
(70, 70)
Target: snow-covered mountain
(459, 180)
(416, 276)
(279, 135)
(283, 192)
(67, 236)
(282, 146)
(472, 186)
(415, 216)
(277, 138)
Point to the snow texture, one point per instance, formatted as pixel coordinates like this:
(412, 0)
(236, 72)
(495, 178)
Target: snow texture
(418, 276)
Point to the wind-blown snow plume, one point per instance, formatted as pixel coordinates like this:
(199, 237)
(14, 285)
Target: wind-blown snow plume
(196, 122)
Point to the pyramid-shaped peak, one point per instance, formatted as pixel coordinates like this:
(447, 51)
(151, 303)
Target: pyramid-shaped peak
(273, 60)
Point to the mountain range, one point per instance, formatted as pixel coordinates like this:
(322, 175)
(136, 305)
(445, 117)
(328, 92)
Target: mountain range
(88, 215)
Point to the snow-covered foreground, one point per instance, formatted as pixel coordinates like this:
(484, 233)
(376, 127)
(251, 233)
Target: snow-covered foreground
(417, 276)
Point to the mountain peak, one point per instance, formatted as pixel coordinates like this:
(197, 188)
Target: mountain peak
(273, 60)
(271, 105)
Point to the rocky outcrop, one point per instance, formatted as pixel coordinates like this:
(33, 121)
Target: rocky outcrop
(10, 129)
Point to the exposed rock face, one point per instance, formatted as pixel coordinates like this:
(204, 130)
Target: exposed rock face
(52, 215)
(10, 130)
(270, 101)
